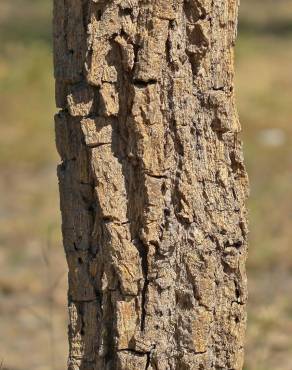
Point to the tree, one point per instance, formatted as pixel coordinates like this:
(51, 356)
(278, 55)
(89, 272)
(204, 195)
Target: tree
(152, 183)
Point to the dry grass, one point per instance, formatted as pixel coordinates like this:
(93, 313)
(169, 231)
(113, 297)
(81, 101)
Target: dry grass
(264, 85)
(32, 273)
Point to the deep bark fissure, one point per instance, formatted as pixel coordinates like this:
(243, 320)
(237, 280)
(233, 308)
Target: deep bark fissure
(143, 255)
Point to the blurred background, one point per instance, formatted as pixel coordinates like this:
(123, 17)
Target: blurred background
(33, 317)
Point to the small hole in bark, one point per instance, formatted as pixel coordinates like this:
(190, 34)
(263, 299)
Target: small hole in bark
(107, 219)
(151, 25)
(127, 11)
(71, 51)
(80, 260)
(142, 84)
(123, 34)
(99, 14)
(237, 292)
(172, 24)
(82, 332)
(166, 212)
(238, 244)
(163, 188)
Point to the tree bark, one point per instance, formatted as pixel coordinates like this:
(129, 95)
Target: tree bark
(152, 183)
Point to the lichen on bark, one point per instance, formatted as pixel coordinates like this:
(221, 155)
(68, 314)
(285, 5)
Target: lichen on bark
(152, 183)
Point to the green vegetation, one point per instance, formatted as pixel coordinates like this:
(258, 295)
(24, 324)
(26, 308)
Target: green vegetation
(29, 214)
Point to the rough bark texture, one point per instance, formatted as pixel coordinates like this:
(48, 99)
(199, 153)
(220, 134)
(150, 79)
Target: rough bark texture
(152, 183)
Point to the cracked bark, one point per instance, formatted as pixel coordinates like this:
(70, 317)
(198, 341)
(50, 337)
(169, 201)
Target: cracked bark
(152, 183)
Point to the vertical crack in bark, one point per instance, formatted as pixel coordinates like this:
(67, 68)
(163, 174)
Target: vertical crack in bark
(143, 255)
(148, 361)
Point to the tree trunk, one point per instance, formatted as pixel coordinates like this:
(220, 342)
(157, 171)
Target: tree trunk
(152, 183)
